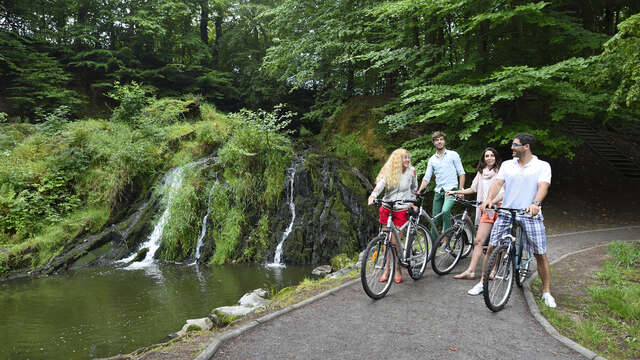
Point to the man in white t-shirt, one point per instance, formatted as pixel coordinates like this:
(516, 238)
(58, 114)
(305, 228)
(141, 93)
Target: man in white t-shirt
(526, 180)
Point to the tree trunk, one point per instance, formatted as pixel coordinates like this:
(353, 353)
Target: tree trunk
(484, 47)
(216, 42)
(204, 21)
(609, 22)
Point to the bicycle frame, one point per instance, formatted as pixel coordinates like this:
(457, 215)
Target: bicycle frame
(513, 240)
(432, 226)
(423, 213)
(391, 229)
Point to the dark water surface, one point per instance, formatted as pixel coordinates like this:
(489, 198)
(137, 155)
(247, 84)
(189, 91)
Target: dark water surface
(103, 311)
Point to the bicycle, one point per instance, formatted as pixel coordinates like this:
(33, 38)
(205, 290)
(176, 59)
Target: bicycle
(451, 244)
(433, 229)
(510, 262)
(413, 254)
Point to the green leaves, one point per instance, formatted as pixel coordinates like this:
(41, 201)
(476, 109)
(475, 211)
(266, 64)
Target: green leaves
(33, 80)
(621, 62)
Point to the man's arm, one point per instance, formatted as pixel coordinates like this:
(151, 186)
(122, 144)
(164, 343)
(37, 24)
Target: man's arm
(461, 181)
(543, 189)
(427, 177)
(459, 170)
(423, 185)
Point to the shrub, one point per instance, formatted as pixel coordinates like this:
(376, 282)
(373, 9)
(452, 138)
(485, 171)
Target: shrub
(349, 147)
(340, 261)
(165, 111)
(132, 98)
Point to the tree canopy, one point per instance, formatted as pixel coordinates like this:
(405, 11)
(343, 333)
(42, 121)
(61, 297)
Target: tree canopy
(481, 70)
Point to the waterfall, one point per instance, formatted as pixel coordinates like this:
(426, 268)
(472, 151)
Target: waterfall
(203, 229)
(277, 258)
(172, 182)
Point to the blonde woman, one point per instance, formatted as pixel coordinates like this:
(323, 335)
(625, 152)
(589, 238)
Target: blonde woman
(399, 178)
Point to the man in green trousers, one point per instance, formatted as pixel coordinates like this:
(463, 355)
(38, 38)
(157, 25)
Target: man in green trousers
(447, 167)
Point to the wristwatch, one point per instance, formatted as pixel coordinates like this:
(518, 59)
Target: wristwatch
(537, 203)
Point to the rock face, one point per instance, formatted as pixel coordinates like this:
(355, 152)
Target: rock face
(331, 214)
(331, 218)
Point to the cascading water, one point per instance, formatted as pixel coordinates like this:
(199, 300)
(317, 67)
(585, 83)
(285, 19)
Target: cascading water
(277, 258)
(172, 182)
(203, 229)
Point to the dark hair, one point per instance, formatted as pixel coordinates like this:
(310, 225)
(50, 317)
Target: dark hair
(438, 134)
(525, 139)
(482, 164)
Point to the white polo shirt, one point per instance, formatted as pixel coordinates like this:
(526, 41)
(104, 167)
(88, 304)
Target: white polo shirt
(521, 183)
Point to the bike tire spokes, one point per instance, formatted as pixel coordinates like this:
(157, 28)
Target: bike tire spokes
(447, 252)
(498, 278)
(418, 253)
(377, 262)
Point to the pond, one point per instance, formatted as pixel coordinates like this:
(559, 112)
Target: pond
(104, 311)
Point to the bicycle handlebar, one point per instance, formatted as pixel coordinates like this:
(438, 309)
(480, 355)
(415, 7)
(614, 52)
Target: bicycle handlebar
(476, 203)
(393, 202)
(511, 210)
(473, 203)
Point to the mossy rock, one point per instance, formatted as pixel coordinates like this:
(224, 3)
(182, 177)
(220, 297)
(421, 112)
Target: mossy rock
(193, 327)
(340, 261)
(142, 253)
(220, 319)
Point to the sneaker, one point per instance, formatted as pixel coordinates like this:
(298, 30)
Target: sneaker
(476, 289)
(549, 300)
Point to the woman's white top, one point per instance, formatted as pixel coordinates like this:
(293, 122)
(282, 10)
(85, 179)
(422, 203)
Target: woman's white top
(481, 185)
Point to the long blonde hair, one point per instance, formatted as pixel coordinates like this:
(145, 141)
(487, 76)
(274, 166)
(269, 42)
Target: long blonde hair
(392, 169)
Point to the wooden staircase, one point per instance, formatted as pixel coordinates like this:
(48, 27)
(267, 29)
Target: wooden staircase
(618, 161)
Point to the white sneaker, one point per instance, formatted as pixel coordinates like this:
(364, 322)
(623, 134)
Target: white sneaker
(549, 300)
(476, 289)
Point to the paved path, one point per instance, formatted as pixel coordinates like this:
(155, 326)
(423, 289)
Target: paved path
(427, 319)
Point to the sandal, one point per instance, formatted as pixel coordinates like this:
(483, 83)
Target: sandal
(384, 278)
(397, 280)
(465, 275)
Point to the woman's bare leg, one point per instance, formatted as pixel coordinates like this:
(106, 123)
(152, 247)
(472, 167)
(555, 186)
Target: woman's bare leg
(398, 272)
(484, 229)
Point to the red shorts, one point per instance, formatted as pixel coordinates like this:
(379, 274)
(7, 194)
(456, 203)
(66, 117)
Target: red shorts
(398, 217)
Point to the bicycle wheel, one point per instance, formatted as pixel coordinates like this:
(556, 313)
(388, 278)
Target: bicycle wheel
(447, 252)
(419, 248)
(430, 242)
(469, 231)
(377, 256)
(498, 290)
(524, 258)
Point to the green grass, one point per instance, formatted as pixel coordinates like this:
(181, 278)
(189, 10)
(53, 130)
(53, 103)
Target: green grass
(306, 289)
(607, 320)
